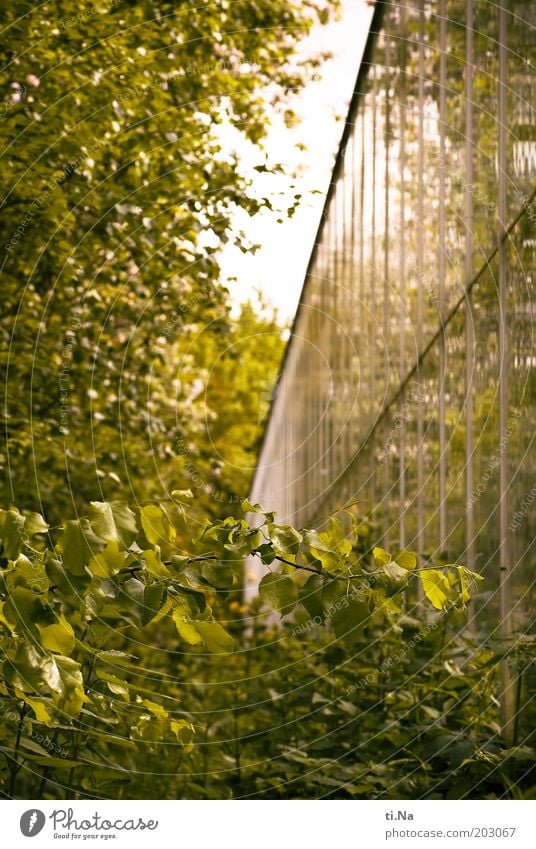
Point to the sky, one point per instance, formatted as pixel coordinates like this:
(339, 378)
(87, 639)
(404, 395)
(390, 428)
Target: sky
(278, 268)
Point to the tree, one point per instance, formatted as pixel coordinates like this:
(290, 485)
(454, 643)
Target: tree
(116, 197)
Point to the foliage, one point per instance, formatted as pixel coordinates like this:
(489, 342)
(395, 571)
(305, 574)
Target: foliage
(394, 718)
(237, 372)
(117, 194)
(130, 666)
(97, 615)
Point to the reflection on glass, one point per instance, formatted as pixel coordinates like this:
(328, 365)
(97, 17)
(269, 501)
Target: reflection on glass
(384, 399)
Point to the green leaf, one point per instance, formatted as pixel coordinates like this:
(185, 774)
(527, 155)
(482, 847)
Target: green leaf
(216, 638)
(108, 563)
(23, 608)
(334, 533)
(117, 658)
(78, 545)
(218, 575)
(58, 637)
(30, 574)
(184, 732)
(41, 711)
(27, 670)
(278, 592)
(52, 676)
(12, 533)
(248, 507)
(35, 524)
(156, 524)
(113, 522)
(56, 763)
(133, 603)
(397, 575)
(464, 585)
(70, 697)
(72, 587)
(285, 539)
(435, 587)
(381, 555)
(117, 687)
(154, 564)
(155, 708)
(267, 553)
(406, 559)
(31, 746)
(185, 629)
(154, 597)
(350, 619)
(179, 494)
(311, 596)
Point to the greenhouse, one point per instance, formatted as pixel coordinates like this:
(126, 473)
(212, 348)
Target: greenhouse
(408, 382)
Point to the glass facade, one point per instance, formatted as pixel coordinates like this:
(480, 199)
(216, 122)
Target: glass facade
(408, 380)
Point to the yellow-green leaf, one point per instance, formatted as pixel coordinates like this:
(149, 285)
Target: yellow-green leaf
(435, 587)
(154, 564)
(41, 713)
(156, 524)
(185, 629)
(216, 638)
(406, 559)
(57, 638)
(155, 708)
(381, 555)
(108, 563)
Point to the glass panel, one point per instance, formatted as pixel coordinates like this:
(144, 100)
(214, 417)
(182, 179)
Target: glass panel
(429, 389)
(486, 440)
(522, 407)
(521, 100)
(484, 185)
(455, 404)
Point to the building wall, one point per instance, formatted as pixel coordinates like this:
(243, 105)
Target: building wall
(409, 381)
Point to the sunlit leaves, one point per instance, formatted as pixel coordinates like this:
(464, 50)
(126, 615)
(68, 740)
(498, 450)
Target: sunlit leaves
(70, 609)
(285, 539)
(156, 524)
(436, 587)
(185, 629)
(154, 564)
(35, 524)
(201, 632)
(58, 637)
(215, 638)
(184, 732)
(109, 562)
(398, 576)
(406, 559)
(69, 695)
(41, 710)
(114, 522)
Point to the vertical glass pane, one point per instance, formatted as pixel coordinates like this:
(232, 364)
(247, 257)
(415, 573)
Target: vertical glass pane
(486, 440)
(429, 387)
(455, 402)
(522, 407)
(521, 104)
(484, 185)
